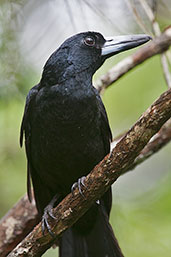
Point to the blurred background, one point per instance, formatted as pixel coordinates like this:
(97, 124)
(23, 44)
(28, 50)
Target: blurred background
(29, 32)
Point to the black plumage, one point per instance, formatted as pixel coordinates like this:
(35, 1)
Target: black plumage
(67, 133)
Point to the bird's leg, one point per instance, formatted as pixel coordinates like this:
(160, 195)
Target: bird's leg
(48, 212)
(79, 184)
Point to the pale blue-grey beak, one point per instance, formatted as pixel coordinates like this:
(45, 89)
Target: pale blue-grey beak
(117, 44)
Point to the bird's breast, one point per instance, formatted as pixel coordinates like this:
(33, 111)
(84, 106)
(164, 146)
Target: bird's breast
(66, 125)
(67, 105)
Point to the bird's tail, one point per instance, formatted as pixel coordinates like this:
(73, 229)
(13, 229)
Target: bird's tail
(99, 242)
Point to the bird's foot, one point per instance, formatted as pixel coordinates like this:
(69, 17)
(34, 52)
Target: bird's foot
(78, 184)
(48, 212)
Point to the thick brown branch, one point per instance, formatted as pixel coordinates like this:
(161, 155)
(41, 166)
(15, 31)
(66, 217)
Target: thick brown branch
(28, 218)
(16, 224)
(157, 46)
(157, 142)
(102, 176)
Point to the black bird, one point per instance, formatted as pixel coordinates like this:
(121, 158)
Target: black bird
(67, 133)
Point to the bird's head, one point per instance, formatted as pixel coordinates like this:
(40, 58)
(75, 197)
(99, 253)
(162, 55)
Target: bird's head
(87, 51)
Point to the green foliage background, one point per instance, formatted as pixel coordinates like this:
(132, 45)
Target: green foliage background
(141, 219)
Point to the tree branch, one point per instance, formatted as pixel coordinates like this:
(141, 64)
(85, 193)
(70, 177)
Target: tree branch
(100, 179)
(157, 32)
(166, 71)
(16, 224)
(157, 142)
(27, 214)
(156, 46)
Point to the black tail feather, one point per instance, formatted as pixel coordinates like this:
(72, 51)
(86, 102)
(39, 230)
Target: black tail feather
(99, 242)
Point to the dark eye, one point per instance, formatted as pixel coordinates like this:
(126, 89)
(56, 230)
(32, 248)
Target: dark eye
(89, 41)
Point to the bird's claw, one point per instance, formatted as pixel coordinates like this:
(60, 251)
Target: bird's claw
(78, 184)
(45, 224)
(48, 212)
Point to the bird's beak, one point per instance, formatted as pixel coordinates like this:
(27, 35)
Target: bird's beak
(114, 45)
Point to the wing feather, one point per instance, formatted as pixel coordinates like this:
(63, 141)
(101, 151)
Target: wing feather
(26, 130)
(105, 128)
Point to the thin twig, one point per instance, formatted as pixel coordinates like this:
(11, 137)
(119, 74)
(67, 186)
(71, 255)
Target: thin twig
(166, 71)
(157, 32)
(151, 17)
(137, 17)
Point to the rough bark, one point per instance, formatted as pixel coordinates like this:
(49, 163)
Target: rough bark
(27, 214)
(159, 140)
(16, 224)
(99, 180)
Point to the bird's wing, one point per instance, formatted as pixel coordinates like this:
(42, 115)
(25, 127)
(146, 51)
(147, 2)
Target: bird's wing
(107, 138)
(26, 129)
(105, 128)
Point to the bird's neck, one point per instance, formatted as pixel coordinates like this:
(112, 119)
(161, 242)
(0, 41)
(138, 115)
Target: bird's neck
(69, 76)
